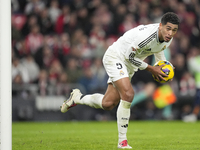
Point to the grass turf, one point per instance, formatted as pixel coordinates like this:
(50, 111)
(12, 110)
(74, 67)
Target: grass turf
(142, 135)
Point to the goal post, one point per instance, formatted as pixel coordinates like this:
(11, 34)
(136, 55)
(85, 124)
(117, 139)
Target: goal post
(5, 76)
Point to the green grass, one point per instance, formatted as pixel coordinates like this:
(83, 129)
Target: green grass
(142, 135)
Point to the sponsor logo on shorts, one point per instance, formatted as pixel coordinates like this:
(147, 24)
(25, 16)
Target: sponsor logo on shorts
(121, 73)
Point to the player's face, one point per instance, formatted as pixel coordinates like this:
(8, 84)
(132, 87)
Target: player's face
(166, 32)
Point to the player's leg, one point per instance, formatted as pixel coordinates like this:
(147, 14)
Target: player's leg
(113, 67)
(96, 100)
(126, 92)
(111, 98)
(123, 90)
(106, 102)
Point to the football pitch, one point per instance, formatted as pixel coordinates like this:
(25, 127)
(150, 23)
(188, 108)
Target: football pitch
(142, 135)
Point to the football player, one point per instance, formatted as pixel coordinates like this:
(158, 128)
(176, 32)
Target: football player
(121, 60)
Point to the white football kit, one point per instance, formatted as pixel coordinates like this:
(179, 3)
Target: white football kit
(126, 55)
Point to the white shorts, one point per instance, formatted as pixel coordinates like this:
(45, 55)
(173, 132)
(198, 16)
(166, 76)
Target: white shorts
(115, 67)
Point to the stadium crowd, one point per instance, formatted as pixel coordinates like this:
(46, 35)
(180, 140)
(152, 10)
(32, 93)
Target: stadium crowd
(60, 42)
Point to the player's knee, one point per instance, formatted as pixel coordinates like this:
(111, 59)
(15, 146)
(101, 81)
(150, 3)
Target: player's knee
(108, 105)
(128, 95)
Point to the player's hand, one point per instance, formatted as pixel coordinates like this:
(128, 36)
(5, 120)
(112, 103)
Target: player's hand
(156, 71)
(158, 74)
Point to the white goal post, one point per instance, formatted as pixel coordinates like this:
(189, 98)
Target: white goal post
(5, 76)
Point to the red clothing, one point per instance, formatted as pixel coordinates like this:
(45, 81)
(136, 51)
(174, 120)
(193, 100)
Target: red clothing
(59, 26)
(33, 42)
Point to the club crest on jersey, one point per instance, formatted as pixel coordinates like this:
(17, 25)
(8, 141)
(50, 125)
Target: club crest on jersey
(163, 48)
(121, 73)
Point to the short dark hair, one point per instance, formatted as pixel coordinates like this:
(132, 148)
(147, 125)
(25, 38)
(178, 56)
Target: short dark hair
(171, 18)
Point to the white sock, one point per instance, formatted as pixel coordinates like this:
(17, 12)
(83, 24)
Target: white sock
(123, 115)
(94, 100)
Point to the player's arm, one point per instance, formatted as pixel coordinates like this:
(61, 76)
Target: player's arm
(159, 56)
(156, 71)
(131, 56)
(137, 62)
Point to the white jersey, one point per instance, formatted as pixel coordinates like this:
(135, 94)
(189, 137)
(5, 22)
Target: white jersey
(126, 55)
(138, 43)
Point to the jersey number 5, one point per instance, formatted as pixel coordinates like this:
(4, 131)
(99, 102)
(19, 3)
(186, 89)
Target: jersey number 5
(119, 66)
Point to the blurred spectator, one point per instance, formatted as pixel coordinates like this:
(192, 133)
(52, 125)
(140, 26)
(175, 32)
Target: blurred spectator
(31, 21)
(84, 48)
(190, 29)
(93, 5)
(103, 17)
(62, 48)
(61, 87)
(16, 34)
(71, 26)
(83, 19)
(132, 6)
(143, 11)
(42, 82)
(184, 79)
(77, 4)
(156, 14)
(55, 69)
(193, 64)
(32, 67)
(54, 11)
(19, 48)
(17, 22)
(63, 19)
(73, 70)
(17, 79)
(34, 40)
(34, 6)
(65, 44)
(15, 6)
(188, 24)
(19, 72)
(180, 68)
(184, 45)
(127, 24)
(113, 4)
(181, 11)
(45, 23)
(97, 36)
(118, 17)
(76, 36)
(87, 80)
(44, 57)
(100, 76)
(187, 85)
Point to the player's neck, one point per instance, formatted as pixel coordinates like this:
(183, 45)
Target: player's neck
(160, 38)
(161, 41)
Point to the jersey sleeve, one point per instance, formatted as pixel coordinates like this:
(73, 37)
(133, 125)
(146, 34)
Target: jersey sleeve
(159, 56)
(142, 65)
(135, 60)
